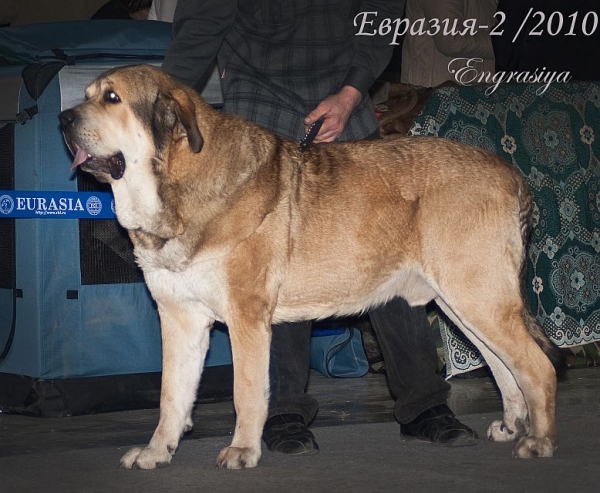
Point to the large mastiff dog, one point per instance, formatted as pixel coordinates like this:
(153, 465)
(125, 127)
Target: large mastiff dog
(232, 223)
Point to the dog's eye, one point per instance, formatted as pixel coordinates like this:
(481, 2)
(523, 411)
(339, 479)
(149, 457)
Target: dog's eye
(111, 97)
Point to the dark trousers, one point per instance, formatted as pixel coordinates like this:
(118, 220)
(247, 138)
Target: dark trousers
(410, 361)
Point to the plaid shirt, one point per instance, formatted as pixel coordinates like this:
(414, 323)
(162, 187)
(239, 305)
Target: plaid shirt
(280, 58)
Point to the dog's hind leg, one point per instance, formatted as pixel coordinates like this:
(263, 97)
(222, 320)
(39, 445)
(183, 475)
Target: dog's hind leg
(185, 339)
(501, 431)
(524, 374)
(515, 422)
(480, 284)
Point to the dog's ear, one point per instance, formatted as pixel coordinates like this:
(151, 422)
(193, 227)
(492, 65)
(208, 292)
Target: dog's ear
(175, 115)
(186, 114)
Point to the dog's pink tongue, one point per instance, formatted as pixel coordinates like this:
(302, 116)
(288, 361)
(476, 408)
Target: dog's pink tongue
(80, 157)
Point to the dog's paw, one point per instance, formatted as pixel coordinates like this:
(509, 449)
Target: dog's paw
(499, 432)
(238, 458)
(146, 458)
(529, 447)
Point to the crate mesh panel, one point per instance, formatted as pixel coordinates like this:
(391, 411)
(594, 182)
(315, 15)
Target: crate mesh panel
(7, 226)
(106, 252)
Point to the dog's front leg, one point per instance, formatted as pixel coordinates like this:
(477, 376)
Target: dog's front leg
(185, 338)
(250, 345)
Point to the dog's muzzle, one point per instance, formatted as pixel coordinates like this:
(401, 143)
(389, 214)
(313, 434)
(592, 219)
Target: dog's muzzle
(113, 165)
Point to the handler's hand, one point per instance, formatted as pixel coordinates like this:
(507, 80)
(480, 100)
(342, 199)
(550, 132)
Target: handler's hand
(336, 109)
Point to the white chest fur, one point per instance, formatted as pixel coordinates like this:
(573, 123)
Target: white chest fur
(200, 281)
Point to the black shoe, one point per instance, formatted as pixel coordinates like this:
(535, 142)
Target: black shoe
(288, 434)
(439, 425)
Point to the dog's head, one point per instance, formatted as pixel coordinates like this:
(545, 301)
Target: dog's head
(130, 115)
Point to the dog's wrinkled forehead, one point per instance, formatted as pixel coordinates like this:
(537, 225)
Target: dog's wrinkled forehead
(127, 85)
(103, 85)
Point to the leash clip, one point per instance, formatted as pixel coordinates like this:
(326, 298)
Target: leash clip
(311, 134)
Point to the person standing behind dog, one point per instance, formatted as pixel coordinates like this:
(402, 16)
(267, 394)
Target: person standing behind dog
(283, 65)
(429, 61)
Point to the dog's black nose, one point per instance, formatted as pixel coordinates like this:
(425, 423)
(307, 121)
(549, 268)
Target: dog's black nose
(66, 118)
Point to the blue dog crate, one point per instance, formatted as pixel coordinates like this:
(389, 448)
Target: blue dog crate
(79, 331)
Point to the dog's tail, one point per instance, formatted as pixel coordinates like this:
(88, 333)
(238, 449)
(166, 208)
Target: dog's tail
(552, 351)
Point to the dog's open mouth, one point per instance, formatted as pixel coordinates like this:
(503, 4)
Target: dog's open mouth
(114, 165)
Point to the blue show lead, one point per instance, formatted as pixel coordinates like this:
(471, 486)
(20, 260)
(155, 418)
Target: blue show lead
(20, 204)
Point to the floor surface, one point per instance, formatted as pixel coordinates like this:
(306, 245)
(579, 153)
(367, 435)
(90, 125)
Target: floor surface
(361, 449)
